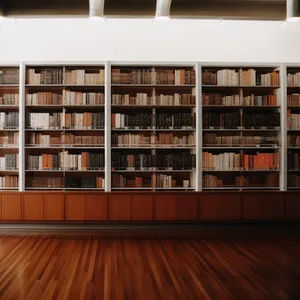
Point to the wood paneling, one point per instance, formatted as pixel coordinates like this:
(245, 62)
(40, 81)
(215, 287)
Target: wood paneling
(218, 206)
(263, 206)
(75, 207)
(96, 207)
(164, 207)
(33, 207)
(0, 207)
(54, 207)
(142, 207)
(292, 202)
(186, 207)
(120, 207)
(11, 207)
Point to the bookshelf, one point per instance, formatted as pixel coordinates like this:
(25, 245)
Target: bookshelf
(241, 128)
(293, 128)
(9, 127)
(150, 126)
(153, 132)
(64, 127)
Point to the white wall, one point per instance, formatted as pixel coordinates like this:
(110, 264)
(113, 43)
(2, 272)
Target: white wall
(145, 40)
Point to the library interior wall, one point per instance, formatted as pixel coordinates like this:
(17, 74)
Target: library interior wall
(83, 39)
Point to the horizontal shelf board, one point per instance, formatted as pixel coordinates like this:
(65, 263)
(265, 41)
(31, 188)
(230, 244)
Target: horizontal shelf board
(9, 171)
(293, 87)
(241, 86)
(14, 107)
(293, 107)
(64, 147)
(44, 188)
(241, 188)
(295, 130)
(240, 106)
(241, 170)
(9, 189)
(153, 106)
(9, 129)
(81, 106)
(152, 171)
(134, 188)
(242, 147)
(31, 129)
(290, 170)
(260, 130)
(9, 85)
(8, 147)
(152, 129)
(63, 85)
(295, 148)
(84, 129)
(67, 171)
(84, 189)
(152, 147)
(155, 85)
(153, 188)
(293, 188)
(61, 129)
(45, 171)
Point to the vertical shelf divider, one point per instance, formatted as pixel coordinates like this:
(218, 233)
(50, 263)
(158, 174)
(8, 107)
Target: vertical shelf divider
(283, 120)
(22, 127)
(199, 133)
(107, 126)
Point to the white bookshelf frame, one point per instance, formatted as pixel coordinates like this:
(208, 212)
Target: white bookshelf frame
(107, 90)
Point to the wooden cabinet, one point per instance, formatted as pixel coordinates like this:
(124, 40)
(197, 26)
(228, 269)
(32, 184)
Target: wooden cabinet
(142, 207)
(220, 206)
(292, 202)
(11, 207)
(74, 207)
(96, 207)
(172, 207)
(33, 207)
(54, 207)
(263, 206)
(120, 207)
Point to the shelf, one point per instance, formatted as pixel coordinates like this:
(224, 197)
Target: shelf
(84, 189)
(241, 170)
(152, 171)
(134, 106)
(45, 171)
(242, 86)
(153, 147)
(30, 129)
(9, 85)
(64, 147)
(258, 130)
(240, 106)
(44, 188)
(154, 85)
(7, 107)
(221, 147)
(241, 188)
(64, 85)
(9, 189)
(4, 130)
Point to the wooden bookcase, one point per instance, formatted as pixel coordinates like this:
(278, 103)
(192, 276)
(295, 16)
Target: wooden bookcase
(9, 127)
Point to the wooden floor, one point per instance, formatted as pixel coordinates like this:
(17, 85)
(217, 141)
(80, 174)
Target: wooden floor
(204, 265)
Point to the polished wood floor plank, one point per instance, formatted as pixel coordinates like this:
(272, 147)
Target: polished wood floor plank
(124, 266)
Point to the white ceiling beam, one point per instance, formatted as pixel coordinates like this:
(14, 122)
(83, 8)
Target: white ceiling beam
(97, 8)
(292, 10)
(163, 8)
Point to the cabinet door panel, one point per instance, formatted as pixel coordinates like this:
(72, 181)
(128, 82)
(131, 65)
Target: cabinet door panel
(292, 201)
(11, 207)
(54, 207)
(142, 207)
(120, 207)
(75, 208)
(220, 207)
(263, 206)
(33, 207)
(96, 207)
(164, 207)
(186, 207)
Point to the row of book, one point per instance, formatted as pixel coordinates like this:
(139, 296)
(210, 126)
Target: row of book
(61, 182)
(86, 120)
(65, 161)
(147, 161)
(10, 139)
(45, 120)
(64, 139)
(293, 141)
(9, 76)
(44, 98)
(293, 100)
(293, 79)
(238, 100)
(230, 161)
(44, 76)
(241, 77)
(154, 181)
(220, 140)
(293, 180)
(9, 99)
(148, 76)
(9, 162)
(9, 182)
(82, 77)
(140, 139)
(293, 160)
(264, 180)
(293, 120)
(232, 120)
(9, 120)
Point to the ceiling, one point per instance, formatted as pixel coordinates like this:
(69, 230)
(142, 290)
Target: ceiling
(225, 9)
